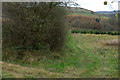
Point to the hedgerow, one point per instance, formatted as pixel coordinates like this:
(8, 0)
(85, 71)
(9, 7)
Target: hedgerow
(95, 32)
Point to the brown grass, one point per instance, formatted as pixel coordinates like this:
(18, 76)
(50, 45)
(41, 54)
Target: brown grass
(21, 71)
(113, 42)
(82, 19)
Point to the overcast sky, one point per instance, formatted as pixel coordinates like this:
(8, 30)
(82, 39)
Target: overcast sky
(98, 5)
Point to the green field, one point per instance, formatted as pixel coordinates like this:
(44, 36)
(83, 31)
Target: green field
(85, 56)
(89, 14)
(74, 11)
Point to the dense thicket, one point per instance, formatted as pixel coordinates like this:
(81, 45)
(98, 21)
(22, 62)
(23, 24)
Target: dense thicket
(110, 24)
(34, 26)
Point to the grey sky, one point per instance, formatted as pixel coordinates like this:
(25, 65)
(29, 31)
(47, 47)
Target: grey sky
(98, 5)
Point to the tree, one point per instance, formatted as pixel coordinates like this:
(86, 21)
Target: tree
(34, 26)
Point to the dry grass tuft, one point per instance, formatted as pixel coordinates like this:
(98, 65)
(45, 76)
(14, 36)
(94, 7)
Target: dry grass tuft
(113, 42)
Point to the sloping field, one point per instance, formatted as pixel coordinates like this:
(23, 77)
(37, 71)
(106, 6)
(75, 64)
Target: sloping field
(82, 11)
(85, 56)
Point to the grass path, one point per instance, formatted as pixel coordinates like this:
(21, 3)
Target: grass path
(99, 60)
(85, 56)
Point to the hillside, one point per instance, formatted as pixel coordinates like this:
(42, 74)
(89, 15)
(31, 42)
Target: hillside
(83, 19)
(107, 13)
(82, 11)
(79, 9)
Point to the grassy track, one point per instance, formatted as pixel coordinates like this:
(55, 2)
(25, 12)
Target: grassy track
(85, 56)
